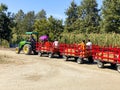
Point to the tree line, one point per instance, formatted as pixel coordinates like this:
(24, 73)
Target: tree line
(83, 18)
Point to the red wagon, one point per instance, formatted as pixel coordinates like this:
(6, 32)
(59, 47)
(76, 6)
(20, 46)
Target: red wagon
(74, 51)
(47, 48)
(104, 55)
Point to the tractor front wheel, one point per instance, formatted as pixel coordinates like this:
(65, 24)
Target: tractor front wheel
(27, 49)
(17, 50)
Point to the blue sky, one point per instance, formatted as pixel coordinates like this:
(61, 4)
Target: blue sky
(52, 7)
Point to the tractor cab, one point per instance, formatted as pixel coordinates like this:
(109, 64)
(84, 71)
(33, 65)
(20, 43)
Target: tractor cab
(28, 46)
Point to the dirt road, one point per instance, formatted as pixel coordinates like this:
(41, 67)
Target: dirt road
(41, 73)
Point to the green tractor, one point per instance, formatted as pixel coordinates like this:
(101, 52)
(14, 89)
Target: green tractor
(28, 46)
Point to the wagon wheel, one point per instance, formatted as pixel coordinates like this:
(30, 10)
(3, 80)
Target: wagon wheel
(118, 68)
(40, 54)
(100, 64)
(50, 55)
(80, 60)
(65, 58)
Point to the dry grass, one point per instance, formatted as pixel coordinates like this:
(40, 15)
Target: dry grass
(110, 39)
(5, 59)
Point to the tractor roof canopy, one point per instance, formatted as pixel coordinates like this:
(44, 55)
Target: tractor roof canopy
(31, 33)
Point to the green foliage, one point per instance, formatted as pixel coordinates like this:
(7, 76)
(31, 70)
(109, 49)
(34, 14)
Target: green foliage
(55, 27)
(18, 29)
(5, 23)
(19, 18)
(3, 7)
(4, 43)
(72, 16)
(89, 18)
(110, 16)
(24, 22)
(50, 26)
(28, 21)
(41, 26)
(41, 15)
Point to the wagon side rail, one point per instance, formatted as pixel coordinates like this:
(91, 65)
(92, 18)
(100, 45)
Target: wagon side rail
(106, 54)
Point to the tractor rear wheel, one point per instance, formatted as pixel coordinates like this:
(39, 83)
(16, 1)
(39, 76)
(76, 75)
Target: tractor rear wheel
(27, 49)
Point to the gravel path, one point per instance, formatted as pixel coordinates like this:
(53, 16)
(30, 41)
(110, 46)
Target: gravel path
(41, 73)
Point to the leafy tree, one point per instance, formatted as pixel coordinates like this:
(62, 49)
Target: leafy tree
(3, 7)
(19, 19)
(110, 16)
(18, 29)
(55, 27)
(28, 21)
(5, 23)
(72, 16)
(24, 22)
(88, 13)
(41, 15)
(41, 26)
(41, 23)
(50, 26)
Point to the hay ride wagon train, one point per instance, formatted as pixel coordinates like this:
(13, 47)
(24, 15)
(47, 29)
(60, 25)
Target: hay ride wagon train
(103, 55)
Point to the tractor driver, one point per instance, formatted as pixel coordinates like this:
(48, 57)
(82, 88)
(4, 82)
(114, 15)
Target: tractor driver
(32, 39)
